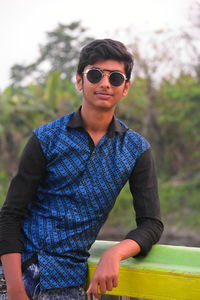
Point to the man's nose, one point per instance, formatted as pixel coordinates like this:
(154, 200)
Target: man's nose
(105, 80)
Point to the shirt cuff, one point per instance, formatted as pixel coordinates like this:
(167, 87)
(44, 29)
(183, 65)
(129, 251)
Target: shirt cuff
(14, 246)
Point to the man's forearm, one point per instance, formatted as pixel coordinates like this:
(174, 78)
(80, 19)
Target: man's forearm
(126, 248)
(13, 273)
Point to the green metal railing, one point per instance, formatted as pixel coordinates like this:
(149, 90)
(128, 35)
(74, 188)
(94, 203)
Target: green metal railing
(166, 273)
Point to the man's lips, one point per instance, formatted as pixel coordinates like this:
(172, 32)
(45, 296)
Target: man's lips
(103, 94)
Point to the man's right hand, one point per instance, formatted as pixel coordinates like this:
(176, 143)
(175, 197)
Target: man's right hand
(18, 295)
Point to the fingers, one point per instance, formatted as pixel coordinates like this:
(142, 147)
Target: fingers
(115, 281)
(101, 285)
(109, 284)
(93, 289)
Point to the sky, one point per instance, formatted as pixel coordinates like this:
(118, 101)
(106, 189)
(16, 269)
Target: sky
(24, 23)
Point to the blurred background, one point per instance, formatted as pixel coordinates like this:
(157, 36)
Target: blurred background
(40, 44)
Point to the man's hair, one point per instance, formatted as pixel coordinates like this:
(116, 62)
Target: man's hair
(103, 49)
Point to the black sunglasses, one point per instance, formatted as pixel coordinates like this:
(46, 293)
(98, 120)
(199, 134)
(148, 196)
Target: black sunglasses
(116, 78)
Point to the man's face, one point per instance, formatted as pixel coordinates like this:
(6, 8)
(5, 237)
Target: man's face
(103, 95)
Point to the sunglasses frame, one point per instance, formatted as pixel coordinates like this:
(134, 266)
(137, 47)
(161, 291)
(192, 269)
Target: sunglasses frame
(102, 71)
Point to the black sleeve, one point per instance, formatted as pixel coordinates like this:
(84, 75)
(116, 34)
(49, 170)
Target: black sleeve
(21, 192)
(143, 186)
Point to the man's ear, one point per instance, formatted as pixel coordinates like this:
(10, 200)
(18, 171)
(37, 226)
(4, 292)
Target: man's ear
(79, 82)
(126, 88)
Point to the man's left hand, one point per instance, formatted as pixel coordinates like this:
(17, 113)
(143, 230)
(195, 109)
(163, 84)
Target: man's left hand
(106, 274)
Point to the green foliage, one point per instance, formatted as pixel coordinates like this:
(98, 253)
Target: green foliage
(3, 186)
(26, 108)
(131, 109)
(123, 213)
(179, 120)
(180, 201)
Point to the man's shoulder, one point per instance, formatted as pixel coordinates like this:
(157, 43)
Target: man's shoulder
(136, 139)
(135, 135)
(53, 126)
(132, 133)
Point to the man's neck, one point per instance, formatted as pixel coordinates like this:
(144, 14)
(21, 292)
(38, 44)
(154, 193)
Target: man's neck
(96, 121)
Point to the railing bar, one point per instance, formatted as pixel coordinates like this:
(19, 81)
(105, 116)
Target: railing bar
(91, 297)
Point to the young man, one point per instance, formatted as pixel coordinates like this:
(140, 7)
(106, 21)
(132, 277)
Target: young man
(69, 176)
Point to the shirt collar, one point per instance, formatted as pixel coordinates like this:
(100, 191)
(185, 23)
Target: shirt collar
(77, 122)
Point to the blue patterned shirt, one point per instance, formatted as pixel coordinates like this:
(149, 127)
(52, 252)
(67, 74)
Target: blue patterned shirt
(75, 193)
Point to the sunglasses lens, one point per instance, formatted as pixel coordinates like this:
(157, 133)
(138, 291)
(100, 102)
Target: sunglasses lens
(116, 79)
(94, 76)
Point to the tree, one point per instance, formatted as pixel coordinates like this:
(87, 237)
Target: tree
(191, 36)
(179, 120)
(150, 62)
(60, 53)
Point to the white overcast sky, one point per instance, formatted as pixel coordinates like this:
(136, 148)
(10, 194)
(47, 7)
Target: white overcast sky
(23, 23)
